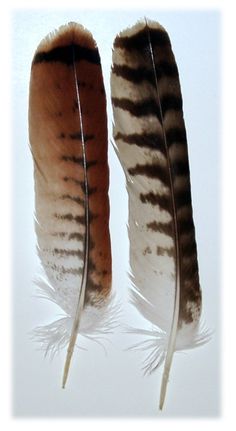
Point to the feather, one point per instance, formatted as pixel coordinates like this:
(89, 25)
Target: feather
(68, 137)
(151, 144)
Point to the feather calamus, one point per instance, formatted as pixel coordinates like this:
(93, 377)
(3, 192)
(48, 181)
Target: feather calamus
(151, 144)
(68, 137)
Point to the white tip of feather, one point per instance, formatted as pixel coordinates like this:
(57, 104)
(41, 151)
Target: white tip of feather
(140, 25)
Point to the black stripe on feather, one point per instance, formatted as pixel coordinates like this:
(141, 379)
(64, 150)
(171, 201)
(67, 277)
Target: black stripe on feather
(139, 40)
(67, 55)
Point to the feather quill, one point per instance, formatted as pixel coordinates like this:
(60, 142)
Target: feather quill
(68, 137)
(151, 144)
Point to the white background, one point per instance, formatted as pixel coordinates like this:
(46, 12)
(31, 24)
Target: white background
(113, 385)
(226, 252)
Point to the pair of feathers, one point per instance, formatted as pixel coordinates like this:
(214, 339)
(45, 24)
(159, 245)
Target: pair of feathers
(69, 143)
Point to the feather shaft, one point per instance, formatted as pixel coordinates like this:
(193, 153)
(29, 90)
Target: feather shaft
(174, 325)
(84, 281)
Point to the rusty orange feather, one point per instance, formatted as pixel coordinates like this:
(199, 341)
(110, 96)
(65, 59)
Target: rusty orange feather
(68, 137)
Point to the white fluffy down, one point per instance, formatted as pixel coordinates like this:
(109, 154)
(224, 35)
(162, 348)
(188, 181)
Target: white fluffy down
(155, 344)
(94, 323)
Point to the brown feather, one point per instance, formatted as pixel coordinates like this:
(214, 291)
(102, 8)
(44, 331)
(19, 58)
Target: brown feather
(68, 136)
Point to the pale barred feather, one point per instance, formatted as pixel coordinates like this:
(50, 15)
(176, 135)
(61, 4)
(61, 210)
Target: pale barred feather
(151, 145)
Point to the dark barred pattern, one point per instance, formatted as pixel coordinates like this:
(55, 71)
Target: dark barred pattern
(71, 217)
(149, 106)
(156, 199)
(80, 219)
(91, 190)
(67, 55)
(166, 228)
(79, 161)
(134, 75)
(137, 109)
(151, 171)
(69, 236)
(142, 74)
(76, 199)
(146, 140)
(66, 252)
(62, 270)
(77, 136)
(138, 41)
(152, 90)
(176, 135)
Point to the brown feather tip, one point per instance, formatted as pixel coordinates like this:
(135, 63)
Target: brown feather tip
(71, 33)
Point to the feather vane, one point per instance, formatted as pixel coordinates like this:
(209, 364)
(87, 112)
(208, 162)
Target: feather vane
(150, 137)
(68, 137)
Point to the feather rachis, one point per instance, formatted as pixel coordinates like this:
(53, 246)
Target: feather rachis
(151, 143)
(80, 304)
(68, 135)
(174, 324)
